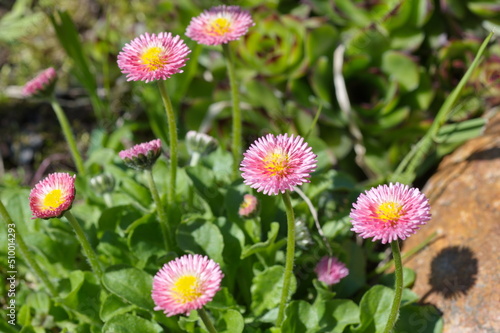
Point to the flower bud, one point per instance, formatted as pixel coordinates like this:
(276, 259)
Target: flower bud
(200, 143)
(249, 208)
(42, 85)
(142, 156)
(103, 183)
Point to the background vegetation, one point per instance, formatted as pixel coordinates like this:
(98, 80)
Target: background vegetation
(398, 61)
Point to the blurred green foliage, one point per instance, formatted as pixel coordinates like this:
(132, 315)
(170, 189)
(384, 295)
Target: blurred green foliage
(401, 60)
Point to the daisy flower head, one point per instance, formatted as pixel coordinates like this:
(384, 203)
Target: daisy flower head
(390, 212)
(249, 207)
(143, 155)
(274, 164)
(52, 196)
(330, 270)
(185, 284)
(42, 85)
(219, 25)
(152, 57)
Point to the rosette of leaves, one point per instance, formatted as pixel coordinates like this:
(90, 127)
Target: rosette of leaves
(275, 46)
(469, 15)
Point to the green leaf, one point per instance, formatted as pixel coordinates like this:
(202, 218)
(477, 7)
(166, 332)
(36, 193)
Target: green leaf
(401, 68)
(321, 79)
(68, 37)
(39, 301)
(338, 314)
(462, 131)
(136, 191)
(394, 117)
(201, 237)
(300, 317)
(267, 287)
(323, 292)
(262, 94)
(485, 9)
(269, 246)
(408, 278)
(355, 15)
(145, 237)
(26, 329)
(84, 296)
(221, 163)
(131, 284)
(374, 309)
(231, 321)
(223, 300)
(112, 306)
(321, 41)
(356, 263)
(127, 323)
(8, 328)
(121, 216)
(422, 319)
(205, 184)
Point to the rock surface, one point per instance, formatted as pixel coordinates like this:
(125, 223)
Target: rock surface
(459, 272)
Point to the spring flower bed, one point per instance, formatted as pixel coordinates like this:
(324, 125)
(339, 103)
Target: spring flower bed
(243, 183)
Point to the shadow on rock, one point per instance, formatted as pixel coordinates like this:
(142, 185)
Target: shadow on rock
(453, 272)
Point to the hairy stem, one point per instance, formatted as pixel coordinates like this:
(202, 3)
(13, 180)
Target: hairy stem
(290, 254)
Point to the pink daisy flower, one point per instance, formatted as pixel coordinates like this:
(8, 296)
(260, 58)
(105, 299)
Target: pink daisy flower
(151, 57)
(185, 284)
(52, 196)
(276, 164)
(330, 270)
(219, 25)
(42, 85)
(390, 212)
(249, 206)
(142, 156)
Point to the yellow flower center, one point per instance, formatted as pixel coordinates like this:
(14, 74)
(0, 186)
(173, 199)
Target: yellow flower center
(389, 211)
(153, 58)
(187, 289)
(53, 200)
(220, 26)
(276, 164)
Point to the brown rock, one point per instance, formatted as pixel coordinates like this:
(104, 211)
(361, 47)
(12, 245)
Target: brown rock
(459, 272)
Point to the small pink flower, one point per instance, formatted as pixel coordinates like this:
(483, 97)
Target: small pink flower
(330, 270)
(42, 85)
(390, 212)
(219, 25)
(276, 164)
(151, 57)
(185, 284)
(52, 196)
(142, 156)
(249, 206)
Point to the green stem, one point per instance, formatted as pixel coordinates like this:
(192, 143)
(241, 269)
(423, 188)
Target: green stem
(236, 144)
(165, 227)
(68, 134)
(172, 131)
(195, 158)
(87, 249)
(108, 200)
(206, 320)
(406, 168)
(393, 316)
(290, 254)
(26, 253)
